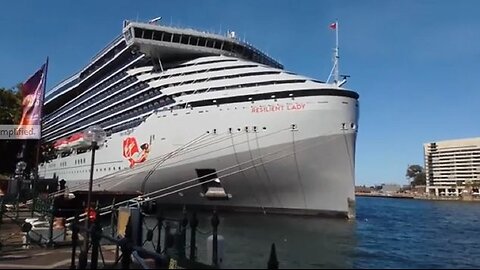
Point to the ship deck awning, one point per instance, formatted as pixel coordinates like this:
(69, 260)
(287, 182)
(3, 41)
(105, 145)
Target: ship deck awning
(163, 41)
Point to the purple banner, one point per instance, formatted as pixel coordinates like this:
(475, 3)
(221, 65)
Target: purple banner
(33, 91)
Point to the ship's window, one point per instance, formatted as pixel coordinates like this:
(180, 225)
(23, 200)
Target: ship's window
(167, 37)
(176, 38)
(227, 46)
(194, 41)
(210, 43)
(218, 44)
(147, 34)
(119, 168)
(237, 49)
(184, 39)
(138, 33)
(202, 42)
(157, 35)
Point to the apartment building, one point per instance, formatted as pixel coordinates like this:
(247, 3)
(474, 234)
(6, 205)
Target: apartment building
(453, 167)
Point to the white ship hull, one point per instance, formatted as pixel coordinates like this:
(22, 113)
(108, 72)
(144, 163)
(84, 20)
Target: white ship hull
(289, 155)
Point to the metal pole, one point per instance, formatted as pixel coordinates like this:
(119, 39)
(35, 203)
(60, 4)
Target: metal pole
(1, 210)
(50, 227)
(74, 240)
(193, 229)
(126, 246)
(337, 77)
(90, 185)
(96, 236)
(84, 255)
(215, 222)
(183, 234)
(34, 193)
(159, 226)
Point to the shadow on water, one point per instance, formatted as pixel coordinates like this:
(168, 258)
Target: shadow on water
(301, 242)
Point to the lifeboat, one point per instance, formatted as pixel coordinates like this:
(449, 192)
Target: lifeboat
(61, 145)
(77, 141)
(72, 142)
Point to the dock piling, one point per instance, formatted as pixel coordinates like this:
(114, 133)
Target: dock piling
(215, 222)
(126, 246)
(74, 240)
(193, 231)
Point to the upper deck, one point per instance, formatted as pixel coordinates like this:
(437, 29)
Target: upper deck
(161, 43)
(166, 42)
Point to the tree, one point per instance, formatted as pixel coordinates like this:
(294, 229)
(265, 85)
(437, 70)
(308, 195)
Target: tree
(10, 106)
(416, 175)
(10, 113)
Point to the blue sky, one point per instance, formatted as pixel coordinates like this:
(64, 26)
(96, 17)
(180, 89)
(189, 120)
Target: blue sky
(414, 63)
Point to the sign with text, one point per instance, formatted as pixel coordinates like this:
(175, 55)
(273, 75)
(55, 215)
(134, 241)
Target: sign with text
(19, 132)
(297, 106)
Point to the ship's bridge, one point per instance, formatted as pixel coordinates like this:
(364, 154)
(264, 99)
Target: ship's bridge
(167, 43)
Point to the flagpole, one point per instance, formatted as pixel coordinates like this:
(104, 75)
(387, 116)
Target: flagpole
(41, 117)
(336, 54)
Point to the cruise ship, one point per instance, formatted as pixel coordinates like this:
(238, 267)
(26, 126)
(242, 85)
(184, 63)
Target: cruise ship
(202, 119)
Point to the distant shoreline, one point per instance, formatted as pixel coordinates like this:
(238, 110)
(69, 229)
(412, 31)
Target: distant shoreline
(417, 197)
(382, 195)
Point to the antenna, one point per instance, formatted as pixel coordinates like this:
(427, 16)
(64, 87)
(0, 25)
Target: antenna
(336, 58)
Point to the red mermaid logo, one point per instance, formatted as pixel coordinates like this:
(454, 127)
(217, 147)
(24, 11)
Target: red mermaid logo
(133, 153)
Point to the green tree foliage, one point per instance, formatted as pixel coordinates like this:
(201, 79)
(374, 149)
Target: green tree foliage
(416, 175)
(10, 113)
(10, 106)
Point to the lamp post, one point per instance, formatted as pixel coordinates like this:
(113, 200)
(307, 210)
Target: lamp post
(94, 135)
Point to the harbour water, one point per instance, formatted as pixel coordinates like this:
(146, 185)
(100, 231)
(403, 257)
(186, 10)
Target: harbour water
(388, 233)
